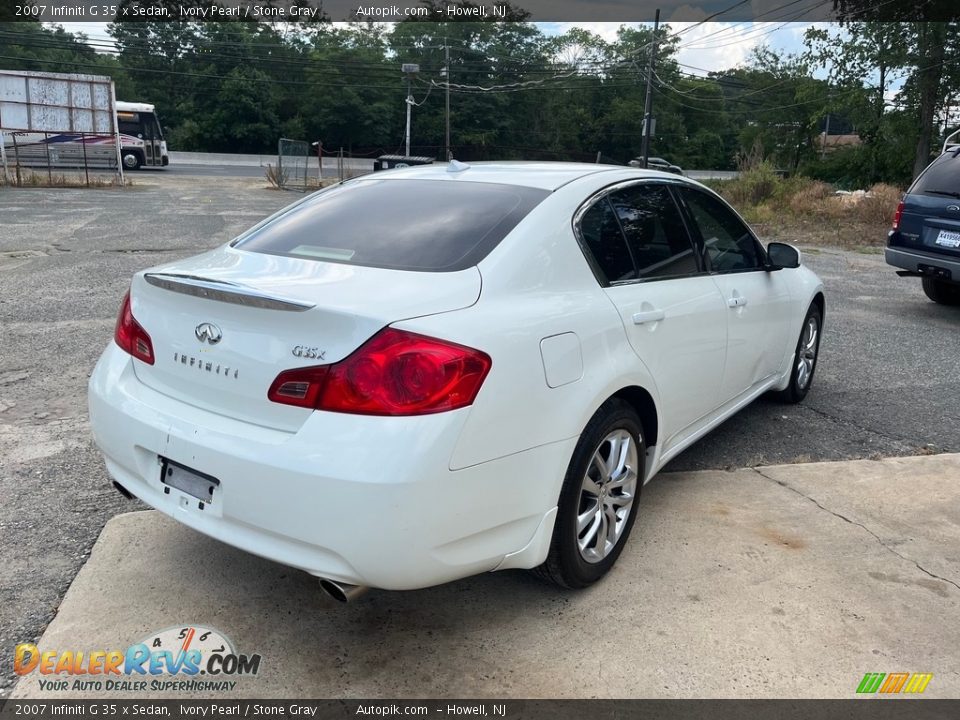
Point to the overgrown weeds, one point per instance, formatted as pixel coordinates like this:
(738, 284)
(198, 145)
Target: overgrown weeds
(802, 210)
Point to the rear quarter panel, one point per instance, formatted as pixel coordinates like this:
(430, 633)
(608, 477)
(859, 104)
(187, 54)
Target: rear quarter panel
(537, 284)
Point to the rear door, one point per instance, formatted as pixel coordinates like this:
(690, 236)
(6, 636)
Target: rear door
(672, 311)
(757, 302)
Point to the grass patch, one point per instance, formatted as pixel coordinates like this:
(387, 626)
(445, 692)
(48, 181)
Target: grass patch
(31, 179)
(809, 212)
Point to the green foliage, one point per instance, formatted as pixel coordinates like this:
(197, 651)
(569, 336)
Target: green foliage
(516, 93)
(754, 185)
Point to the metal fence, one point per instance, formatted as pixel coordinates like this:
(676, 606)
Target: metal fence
(292, 161)
(59, 159)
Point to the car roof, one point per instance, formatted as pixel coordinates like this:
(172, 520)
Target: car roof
(544, 175)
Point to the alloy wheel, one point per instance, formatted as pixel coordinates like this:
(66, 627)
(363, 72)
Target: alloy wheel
(606, 495)
(807, 355)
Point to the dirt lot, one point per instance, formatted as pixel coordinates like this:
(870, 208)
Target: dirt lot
(887, 382)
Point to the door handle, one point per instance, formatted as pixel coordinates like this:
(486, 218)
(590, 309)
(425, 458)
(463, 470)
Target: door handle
(648, 316)
(736, 301)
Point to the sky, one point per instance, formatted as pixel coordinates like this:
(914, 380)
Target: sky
(714, 45)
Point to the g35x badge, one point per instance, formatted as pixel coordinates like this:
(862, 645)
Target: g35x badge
(303, 351)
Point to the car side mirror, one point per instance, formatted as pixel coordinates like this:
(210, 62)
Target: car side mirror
(782, 256)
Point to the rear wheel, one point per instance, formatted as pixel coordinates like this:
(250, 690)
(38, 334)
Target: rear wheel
(941, 291)
(597, 505)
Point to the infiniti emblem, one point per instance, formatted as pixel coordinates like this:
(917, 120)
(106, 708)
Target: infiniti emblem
(953, 208)
(208, 333)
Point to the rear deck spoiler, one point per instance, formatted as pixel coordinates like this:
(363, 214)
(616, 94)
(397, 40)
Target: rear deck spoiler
(224, 291)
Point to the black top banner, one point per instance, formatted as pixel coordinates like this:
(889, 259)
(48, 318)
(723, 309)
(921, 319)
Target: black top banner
(306, 11)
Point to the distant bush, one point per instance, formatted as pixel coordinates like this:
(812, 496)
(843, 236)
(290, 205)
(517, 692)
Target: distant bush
(879, 204)
(753, 186)
(809, 197)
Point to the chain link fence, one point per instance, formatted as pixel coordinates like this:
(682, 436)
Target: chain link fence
(292, 162)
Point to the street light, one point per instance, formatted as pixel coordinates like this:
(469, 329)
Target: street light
(410, 69)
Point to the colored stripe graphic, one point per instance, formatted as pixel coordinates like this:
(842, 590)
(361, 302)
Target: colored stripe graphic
(894, 682)
(918, 682)
(870, 683)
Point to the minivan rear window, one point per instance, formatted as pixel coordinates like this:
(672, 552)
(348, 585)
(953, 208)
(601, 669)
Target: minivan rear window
(425, 225)
(941, 178)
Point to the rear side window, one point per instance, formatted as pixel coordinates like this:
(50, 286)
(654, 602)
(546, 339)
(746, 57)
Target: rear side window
(426, 225)
(603, 240)
(941, 178)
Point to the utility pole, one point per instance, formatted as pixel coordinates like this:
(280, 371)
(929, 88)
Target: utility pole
(410, 69)
(648, 104)
(446, 73)
(826, 138)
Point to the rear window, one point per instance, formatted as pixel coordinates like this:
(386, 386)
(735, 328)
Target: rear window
(941, 178)
(427, 225)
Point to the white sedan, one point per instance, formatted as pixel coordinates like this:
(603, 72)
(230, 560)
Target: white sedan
(428, 373)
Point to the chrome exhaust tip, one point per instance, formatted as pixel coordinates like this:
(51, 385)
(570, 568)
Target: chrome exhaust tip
(342, 592)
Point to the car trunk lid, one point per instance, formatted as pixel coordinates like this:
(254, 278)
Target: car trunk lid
(226, 323)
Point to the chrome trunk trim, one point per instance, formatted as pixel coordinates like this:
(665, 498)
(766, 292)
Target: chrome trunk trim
(224, 291)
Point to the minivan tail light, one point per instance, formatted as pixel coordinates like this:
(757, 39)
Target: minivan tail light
(130, 335)
(394, 373)
(897, 215)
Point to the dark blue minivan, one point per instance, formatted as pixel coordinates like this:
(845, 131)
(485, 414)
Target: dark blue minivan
(925, 238)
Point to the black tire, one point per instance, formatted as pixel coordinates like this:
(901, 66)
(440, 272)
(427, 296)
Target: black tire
(800, 384)
(566, 565)
(132, 160)
(941, 291)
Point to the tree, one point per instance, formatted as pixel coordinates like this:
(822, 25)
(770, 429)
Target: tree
(921, 54)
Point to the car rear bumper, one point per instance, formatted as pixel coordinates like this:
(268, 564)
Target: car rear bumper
(923, 263)
(358, 499)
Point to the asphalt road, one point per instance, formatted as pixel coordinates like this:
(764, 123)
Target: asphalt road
(204, 170)
(887, 383)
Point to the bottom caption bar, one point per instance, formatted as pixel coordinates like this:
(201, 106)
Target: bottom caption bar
(859, 709)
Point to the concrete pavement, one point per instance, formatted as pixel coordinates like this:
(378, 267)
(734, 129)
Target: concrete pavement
(779, 581)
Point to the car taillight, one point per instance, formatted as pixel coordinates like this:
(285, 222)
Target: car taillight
(394, 373)
(897, 215)
(130, 335)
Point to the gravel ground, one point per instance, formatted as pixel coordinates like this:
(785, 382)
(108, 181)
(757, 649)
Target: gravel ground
(886, 385)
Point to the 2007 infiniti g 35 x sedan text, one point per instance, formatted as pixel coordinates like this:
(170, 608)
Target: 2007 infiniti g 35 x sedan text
(432, 372)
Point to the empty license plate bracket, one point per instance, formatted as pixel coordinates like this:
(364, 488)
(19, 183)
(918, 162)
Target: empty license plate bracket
(194, 483)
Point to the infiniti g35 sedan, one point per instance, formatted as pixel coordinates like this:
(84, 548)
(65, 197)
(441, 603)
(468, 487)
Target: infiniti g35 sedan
(432, 372)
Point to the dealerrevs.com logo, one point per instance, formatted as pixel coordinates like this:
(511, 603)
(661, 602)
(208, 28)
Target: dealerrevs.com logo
(187, 658)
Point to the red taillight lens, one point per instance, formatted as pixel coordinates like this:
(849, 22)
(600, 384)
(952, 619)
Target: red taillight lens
(393, 373)
(897, 215)
(130, 335)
